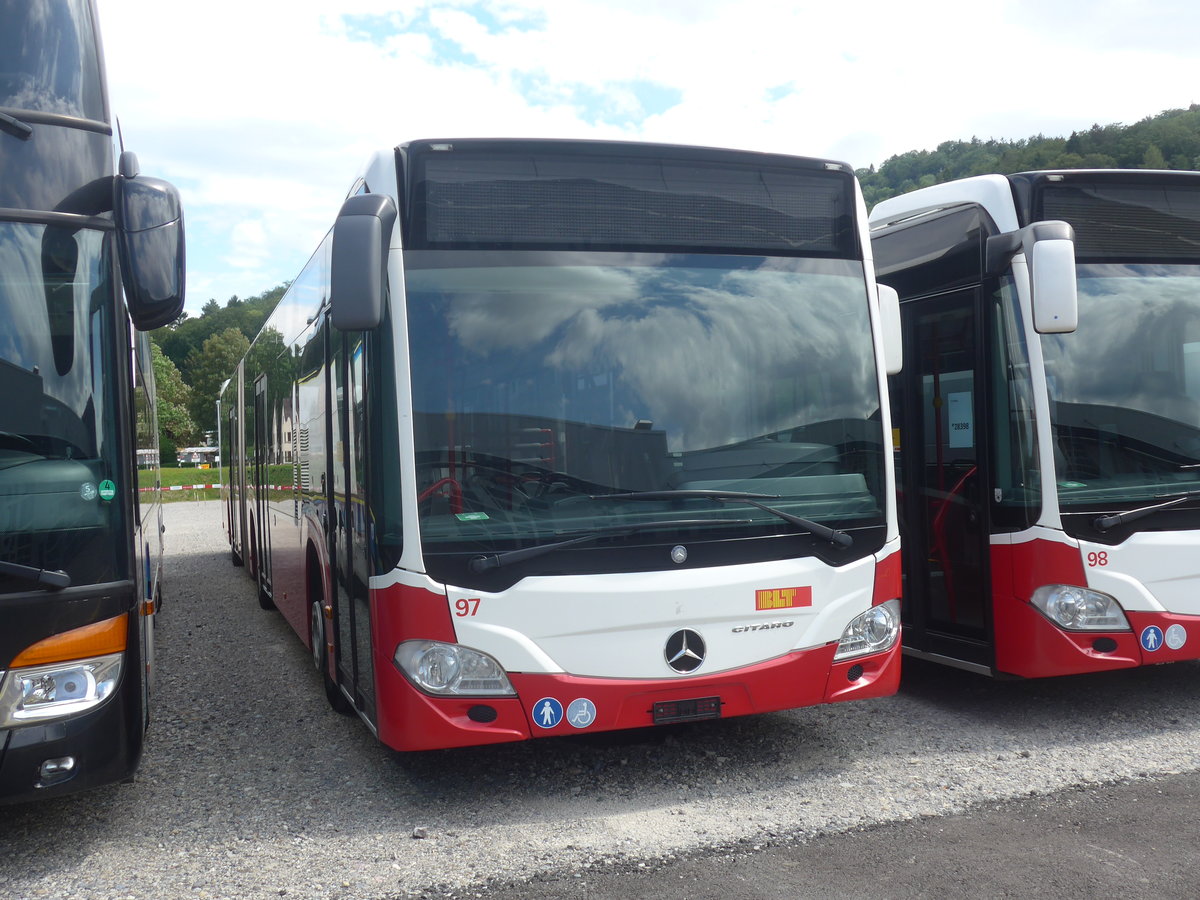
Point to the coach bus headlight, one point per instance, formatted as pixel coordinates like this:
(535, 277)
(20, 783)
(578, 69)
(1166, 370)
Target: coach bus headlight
(1079, 609)
(451, 670)
(870, 632)
(42, 693)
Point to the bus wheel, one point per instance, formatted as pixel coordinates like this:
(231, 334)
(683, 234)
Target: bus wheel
(264, 599)
(316, 632)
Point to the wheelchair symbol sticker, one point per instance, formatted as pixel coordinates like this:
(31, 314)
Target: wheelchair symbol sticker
(581, 713)
(1176, 636)
(547, 712)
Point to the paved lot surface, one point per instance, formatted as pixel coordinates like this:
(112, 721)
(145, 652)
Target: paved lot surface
(252, 788)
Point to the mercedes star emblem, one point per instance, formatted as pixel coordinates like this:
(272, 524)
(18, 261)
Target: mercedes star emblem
(684, 651)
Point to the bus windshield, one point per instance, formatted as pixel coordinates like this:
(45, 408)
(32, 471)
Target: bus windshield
(1125, 388)
(60, 450)
(543, 382)
(67, 81)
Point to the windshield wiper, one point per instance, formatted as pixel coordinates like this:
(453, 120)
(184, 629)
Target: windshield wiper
(485, 563)
(835, 537)
(54, 579)
(15, 127)
(1103, 523)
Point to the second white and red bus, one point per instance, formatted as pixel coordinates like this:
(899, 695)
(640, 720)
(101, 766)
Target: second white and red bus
(1050, 473)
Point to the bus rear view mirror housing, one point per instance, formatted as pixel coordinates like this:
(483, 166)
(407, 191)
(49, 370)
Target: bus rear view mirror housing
(150, 245)
(1049, 249)
(358, 268)
(889, 326)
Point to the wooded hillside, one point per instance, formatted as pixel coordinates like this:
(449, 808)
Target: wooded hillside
(1170, 140)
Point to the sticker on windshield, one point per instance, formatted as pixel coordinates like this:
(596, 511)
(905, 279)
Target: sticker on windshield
(87, 491)
(471, 516)
(108, 489)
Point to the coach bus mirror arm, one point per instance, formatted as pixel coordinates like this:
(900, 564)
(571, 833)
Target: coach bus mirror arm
(1049, 249)
(480, 564)
(1103, 523)
(150, 246)
(51, 578)
(824, 532)
(362, 235)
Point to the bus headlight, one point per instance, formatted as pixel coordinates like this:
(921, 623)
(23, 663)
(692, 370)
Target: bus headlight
(1076, 608)
(870, 632)
(451, 670)
(43, 693)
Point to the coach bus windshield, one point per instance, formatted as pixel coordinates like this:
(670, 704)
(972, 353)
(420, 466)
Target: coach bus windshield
(544, 383)
(1125, 388)
(60, 463)
(66, 81)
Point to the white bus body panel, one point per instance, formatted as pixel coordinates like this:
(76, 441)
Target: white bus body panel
(1152, 571)
(616, 625)
(992, 192)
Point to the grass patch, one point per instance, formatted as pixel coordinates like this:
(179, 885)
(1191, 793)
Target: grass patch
(190, 475)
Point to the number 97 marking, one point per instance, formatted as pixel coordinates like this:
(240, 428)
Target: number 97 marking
(466, 607)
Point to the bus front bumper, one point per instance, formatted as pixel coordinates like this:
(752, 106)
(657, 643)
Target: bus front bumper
(550, 705)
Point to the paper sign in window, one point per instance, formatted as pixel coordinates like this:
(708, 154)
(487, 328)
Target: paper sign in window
(962, 420)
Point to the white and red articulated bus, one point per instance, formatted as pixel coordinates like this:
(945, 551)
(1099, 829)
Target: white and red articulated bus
(1048, 418)
(563, 436)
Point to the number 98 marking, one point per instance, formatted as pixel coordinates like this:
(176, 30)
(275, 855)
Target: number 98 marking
(1097, 559)
(465, 607)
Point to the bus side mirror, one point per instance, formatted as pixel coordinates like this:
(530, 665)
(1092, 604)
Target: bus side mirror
(1049, 249)
(358, 267)
(889, 326)
(150, 246)
(1052, 286)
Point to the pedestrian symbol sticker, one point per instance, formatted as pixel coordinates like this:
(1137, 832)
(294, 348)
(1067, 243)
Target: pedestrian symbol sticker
(581, 713)
(1152, 638)
(1176, 636)
(547, 712)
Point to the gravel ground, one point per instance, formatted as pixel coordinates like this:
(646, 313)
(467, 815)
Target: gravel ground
(251, 787)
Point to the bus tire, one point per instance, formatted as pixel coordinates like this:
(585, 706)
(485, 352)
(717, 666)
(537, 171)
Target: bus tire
(316, 633)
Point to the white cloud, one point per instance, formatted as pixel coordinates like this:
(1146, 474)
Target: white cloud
(263, 110)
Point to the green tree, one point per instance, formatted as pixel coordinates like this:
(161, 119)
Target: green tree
(1153, 158)
(209, 366)
(175, 425)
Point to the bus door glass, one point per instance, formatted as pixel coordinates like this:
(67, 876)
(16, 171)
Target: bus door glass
(941, 475)
(262, 487)
(350, 523)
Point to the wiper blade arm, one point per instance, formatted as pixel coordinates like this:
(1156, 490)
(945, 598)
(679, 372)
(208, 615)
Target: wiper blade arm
(481, 564)
(15, 127)
(1103, 523)
(51, 578)
(685, 495)
(838, 538)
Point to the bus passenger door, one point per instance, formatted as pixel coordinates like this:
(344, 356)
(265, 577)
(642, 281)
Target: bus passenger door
(350, 523)
(943, 480)
(261, 488)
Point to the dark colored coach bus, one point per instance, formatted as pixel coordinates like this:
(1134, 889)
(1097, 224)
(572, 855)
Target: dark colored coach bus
(91, 258)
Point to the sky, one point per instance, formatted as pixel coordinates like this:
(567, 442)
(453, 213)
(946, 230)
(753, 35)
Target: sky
(262, 112)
